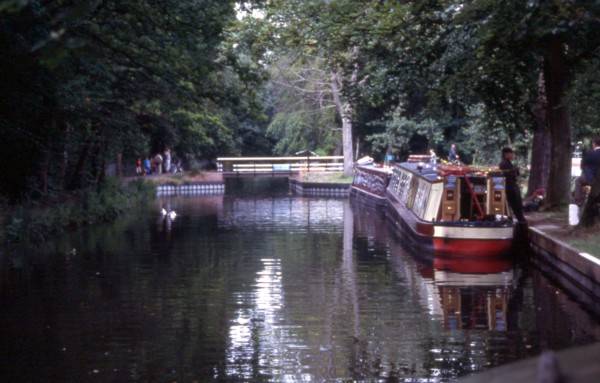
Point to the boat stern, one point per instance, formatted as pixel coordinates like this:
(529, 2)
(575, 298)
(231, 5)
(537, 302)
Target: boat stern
(470, 240)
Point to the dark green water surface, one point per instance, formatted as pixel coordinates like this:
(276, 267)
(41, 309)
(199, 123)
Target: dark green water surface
(267, 288)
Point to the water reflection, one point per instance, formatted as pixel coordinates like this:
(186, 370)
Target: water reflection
(484, 309)
(477, 298)
(267, 289)
(258, 317)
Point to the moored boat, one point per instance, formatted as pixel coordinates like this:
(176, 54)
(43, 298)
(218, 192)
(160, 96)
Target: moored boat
(456, 210)
(370, 184)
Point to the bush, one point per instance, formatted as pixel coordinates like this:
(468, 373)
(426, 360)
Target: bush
(104, 204)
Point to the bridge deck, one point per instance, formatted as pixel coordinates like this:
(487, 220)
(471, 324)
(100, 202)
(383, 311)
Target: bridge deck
(277, 166)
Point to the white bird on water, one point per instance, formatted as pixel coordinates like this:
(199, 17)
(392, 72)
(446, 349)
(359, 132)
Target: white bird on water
(171, 214)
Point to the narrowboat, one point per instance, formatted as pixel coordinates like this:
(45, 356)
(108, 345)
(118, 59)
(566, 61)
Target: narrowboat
(370, 184)
(452, 209)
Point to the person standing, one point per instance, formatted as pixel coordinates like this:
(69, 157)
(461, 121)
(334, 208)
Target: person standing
(453, 154)
(147, 166)
(138, 167)
(590, 164)
(167, 160)
(590, 167)
(513, 192)
(158, 160)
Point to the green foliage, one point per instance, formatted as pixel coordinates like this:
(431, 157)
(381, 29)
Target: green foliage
(299, 101)
(90, 81)
(86, 82)
(483, 137)
(34, 223)
(585, 98)
(303, 130)
(201, 134)
(401, 133)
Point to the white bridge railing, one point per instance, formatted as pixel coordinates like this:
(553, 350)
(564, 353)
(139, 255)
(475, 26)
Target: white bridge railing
(279, 165)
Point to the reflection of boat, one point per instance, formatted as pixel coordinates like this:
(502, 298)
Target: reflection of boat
(477, 299)
(464, 293)
(451, 271)
(475, 308)
(484, 266)
(456, 210)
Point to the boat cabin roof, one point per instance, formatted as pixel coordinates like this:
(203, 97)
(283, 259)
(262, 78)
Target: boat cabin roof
(425, 170)
(436, 172)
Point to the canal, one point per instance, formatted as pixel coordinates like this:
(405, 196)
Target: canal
(265, 286)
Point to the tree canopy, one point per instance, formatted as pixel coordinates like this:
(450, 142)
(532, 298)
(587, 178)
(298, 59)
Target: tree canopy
(86, 83)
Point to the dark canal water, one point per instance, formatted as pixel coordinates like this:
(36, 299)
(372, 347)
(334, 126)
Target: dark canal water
(266, 288)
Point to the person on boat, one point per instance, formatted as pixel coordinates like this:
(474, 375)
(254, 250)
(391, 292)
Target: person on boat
(513, 192)
(432, 157)
(453, 154)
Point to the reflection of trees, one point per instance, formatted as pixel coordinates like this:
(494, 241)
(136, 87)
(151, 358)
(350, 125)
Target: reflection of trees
(559, 314)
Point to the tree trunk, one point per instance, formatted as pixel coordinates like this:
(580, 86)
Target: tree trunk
(64, 157)
(120, 165)
(44, 169)
(62, 171)
(540, 152)
(77, 177)
(96, 163)
(540, 161)
(46, 159)
(556, 75)
(345, 111)
(101, 176)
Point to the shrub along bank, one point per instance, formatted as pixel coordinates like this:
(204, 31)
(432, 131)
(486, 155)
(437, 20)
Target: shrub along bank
(37, 222)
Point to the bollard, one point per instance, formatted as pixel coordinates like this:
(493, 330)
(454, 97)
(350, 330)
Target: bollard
(573, 215)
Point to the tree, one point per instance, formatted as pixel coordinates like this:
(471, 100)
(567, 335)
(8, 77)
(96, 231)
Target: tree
(560, 36)
(320, 29)
(98, 82)
(303, 115)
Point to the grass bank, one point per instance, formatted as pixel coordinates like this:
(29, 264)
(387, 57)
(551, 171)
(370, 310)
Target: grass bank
(556, 224)
(586, 240)
(37, 222)
(185, 178)
(329, 177)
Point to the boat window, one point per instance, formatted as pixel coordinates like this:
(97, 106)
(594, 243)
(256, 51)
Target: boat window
(404, 187)
(421, 198)
(412, 191)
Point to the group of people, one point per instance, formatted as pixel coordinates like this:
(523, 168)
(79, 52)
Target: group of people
(158, 164)
(453, 156)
